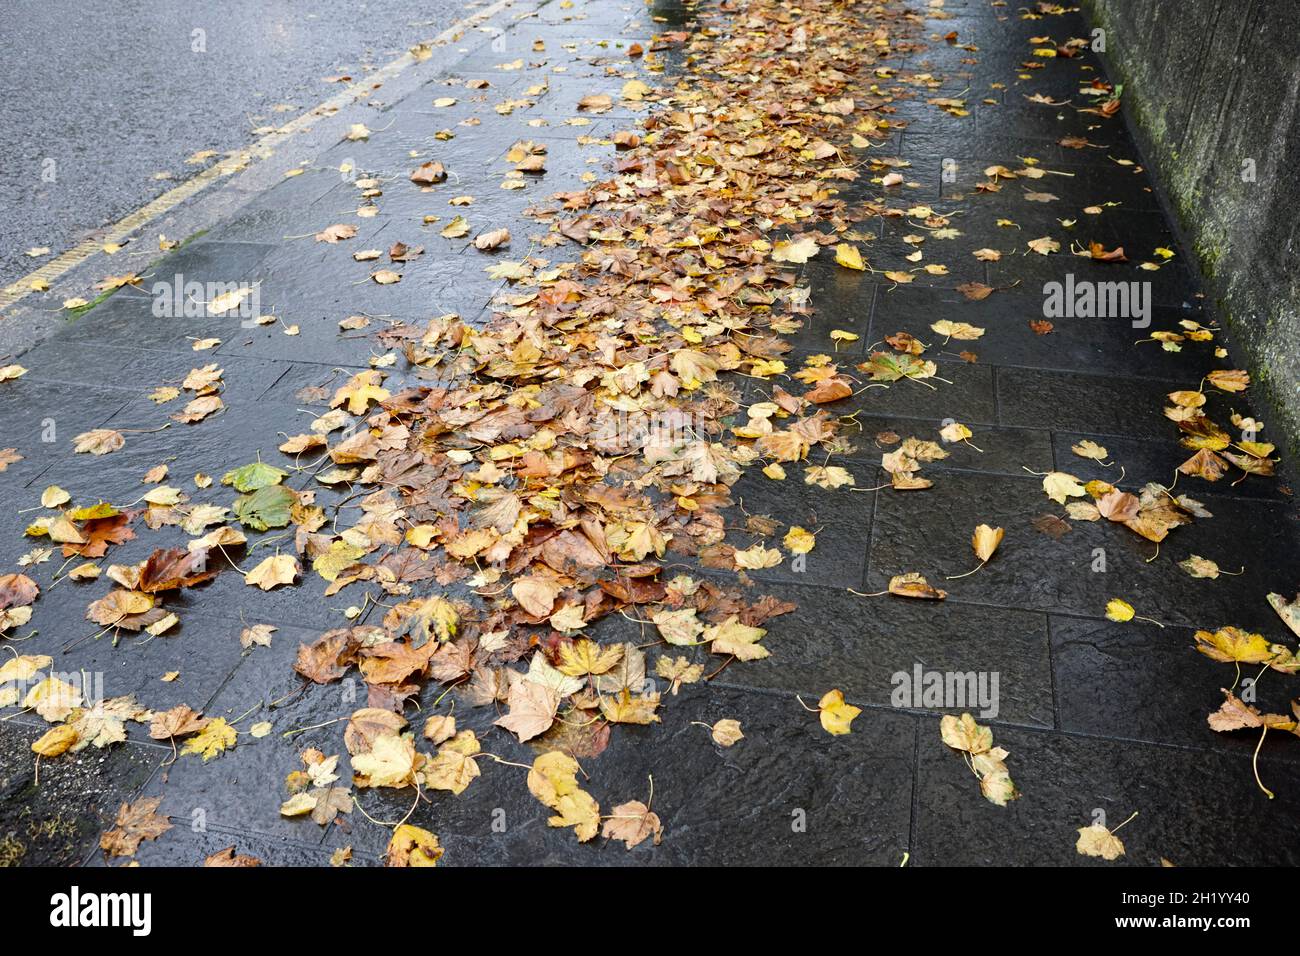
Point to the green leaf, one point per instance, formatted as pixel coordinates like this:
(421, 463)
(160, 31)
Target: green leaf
(254, 475)
(266, 507)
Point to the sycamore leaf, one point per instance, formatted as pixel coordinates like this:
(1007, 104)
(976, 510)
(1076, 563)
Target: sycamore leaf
(957, 330)
(24, 667)
(390, 762)
(1234, 645)
(1089, 449)
(988, 762)
(680, 627)
(914, 585)
(55, 741)
(848, 256)
(276, 570)
(135, 822)
(633, 823)
(799, 540)
(412, 846)
(582, 657)
(254, 475)
(733, 637)
(553, 780)
(797, 251)
(532, 709)
(336, 233)
(100, 441)
(835, 714)
(213, 740)
(265, 508)
(1236, 714)
(1059, 486)
(1199, 567)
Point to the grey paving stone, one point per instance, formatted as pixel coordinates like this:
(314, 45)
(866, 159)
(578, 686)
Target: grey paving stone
(1112, 681)
(1182, 798)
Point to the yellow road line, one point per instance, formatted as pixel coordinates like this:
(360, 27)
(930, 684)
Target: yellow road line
(261, 149)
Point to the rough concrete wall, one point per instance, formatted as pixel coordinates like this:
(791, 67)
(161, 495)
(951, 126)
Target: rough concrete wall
(1213, 87)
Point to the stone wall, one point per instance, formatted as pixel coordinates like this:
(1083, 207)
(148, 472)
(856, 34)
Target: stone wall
(1213, 88)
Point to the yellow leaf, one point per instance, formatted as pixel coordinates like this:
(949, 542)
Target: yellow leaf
(848, 256)
(836, 715)
(1096, 840)
(55, 741)
(799, 541)
(553, 780)
(214, 739)
(1119, 610)
(412, 846)
(279, 569)
(985, 541)
(582, 657)
(957, 330)
(797, 251)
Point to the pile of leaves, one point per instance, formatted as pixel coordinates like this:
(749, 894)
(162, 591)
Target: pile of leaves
(540, 472)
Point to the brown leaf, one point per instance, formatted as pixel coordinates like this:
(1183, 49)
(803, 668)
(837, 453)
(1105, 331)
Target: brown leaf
(171, 568)
(228, 857)
(633, 823)
(135, 822)
(17, 590)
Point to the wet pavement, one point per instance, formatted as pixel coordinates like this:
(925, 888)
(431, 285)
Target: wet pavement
(1101, 718)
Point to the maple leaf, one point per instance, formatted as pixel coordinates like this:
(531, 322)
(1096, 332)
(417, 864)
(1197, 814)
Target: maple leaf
(171, 568)
(23, 667)
(1236, 714)
(553, 780)
(17, 590)
(733, 637)
(228, 857)
(988, 762)
(273, 571)
(97, 535)
(532, 709)
(680, 627)
(914, 585)
(214, 739)
(835, 714)
(412, 846)
(582, 657)
(625, 708)
(56, 741)
(180, 721)
(135, 823)
(336, 233)
(633, 823)
(100, 441)
(391, 762)
(453, 768)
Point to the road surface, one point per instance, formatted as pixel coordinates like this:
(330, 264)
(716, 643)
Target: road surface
(105, 100)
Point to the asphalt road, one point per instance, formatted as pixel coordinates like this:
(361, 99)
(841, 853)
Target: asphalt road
(102, 96)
